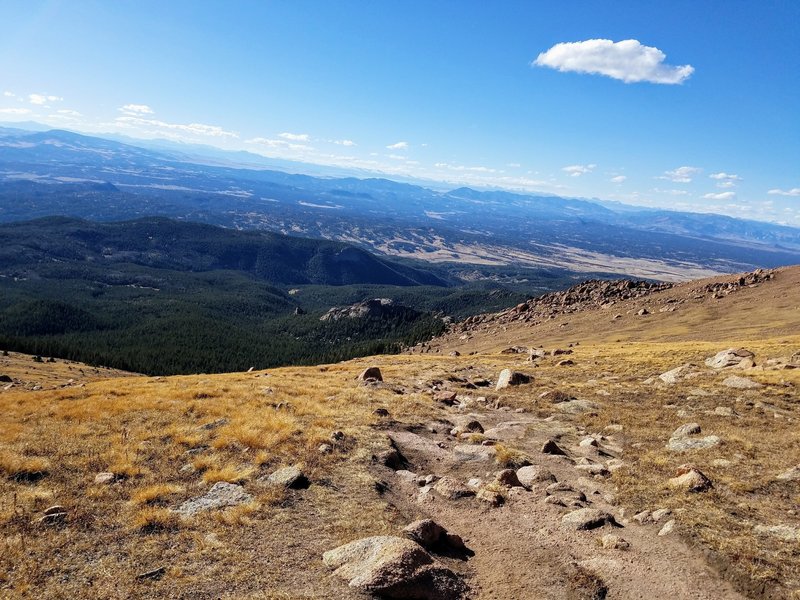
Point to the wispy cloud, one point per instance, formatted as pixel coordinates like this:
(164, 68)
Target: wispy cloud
(725, 180)
(578, 170)
(627, 60)
(681, 174)
(720, 196)
(193, 129)
(294, 137)
(398, 146)
(348, 143)
(618, 179)
(43, 99)
(273, 143)
(791, 192)
(69, 113)
(136, 109)
(8, 94)
(15, 111)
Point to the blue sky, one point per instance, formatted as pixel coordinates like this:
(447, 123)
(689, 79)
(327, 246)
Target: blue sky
(689, 105)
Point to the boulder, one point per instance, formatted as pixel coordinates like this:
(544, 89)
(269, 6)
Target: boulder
(508, 478)
(687, 429)
(445, 397)
(289, 477)
(668, 528)
(432, 536)
(550, 447)
(556, 396)
(371, 374)
(530, 475)
(221, 495)
(690, 479)
(394, 567)
(452, 489)
(728, 358)
(584, 519)
(676, 374)
(508, 378)
(684, 444)
(741, 383)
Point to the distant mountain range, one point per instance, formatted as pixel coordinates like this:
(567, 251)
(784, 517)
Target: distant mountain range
(46, 173)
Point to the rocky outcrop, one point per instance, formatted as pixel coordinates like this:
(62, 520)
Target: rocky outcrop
(376, 308)
(729, 358)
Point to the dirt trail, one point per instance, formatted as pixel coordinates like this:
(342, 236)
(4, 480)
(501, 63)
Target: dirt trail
(521, 548)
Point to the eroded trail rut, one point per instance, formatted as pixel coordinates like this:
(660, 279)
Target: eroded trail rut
(522, 549)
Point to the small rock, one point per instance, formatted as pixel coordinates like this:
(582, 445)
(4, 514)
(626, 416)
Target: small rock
(588, 442)
(672, 377)
(668, 527)
(556, 396)
(786, 533)
(660, 514)
(213, 425)
(687, 430)
(642, 517)
(452, 489)
(325, 448)
(724, 411)
(153, 574)
(685, 444)
(690, 479)
(289, 477)
(584, 519)
(380, 412)
(104, 478)
(614, 542)
(530, 475)
(371, 374)
(221, 495)
(508, 478)
(426, 532)
(792, 474)
(508, 378)
(446, 397)
(550, 447)
(490, 497)
(741, 383)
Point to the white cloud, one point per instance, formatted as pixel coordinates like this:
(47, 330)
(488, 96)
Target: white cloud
(681, 174)
(578, 170)
(791, 192)
(294, 137)
(192, 128)
(721, 196)
(514, 165)
(725, 180)
(619, 179)
(348, 143)
(15, 111)
(273, 143)
(398, 146)
(136, 109)
(69, 113)
(9, 94)
(628, 61)
(42, 99)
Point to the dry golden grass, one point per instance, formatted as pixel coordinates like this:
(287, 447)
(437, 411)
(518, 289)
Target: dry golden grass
(171, 438)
